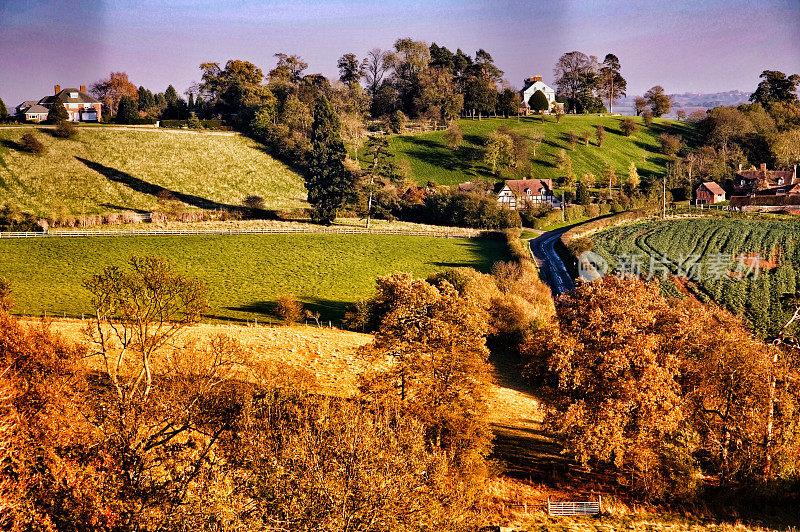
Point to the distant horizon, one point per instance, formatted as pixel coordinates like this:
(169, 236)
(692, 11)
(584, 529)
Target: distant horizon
(687, 47)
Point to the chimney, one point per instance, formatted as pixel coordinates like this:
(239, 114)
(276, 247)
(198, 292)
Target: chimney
(763, 167)
(740, 167)
(83, 88)
(57, 89)
(794, 174)
(537, 78)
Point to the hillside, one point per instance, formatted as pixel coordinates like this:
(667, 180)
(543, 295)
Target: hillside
(745, 266)
(246, 274)
(429, 158)
(107, 170)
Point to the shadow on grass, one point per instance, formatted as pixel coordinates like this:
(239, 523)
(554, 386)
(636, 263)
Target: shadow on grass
(12, 145)
(329, 310)
(142, 186)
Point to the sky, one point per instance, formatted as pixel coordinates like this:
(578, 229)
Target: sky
(684, 46)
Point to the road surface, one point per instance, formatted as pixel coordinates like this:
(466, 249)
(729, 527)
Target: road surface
(553, 270)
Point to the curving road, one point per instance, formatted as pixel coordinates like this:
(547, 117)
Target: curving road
(553, 270)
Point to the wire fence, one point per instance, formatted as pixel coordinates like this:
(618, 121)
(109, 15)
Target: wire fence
(459, 233)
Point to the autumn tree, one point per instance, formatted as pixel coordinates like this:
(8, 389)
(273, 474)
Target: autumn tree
(572, 138)
(633, 176)
(585, 136)
(611, 84)
(454, 136)
(659, 103)
(628, 126)
(670, 144)
(610, 176)
(786, 147)
(617, 397)
(440, 372)
(499, 151)
(328, 183)
(639, 104)
(600, 131)
(111, 90)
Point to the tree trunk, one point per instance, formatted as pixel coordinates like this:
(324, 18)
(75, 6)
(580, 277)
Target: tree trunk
(769, 436)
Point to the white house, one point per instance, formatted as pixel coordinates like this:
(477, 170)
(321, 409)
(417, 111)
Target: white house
(516, 194)
(536, 84)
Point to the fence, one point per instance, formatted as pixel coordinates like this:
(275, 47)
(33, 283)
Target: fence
(566, 508)
(461, 233)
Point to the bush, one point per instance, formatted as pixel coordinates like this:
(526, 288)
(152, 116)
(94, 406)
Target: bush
(65, 130)
(289, 309)
(648, 118)
(31, 144)
(398, 121)
(254, 202)
(628, 126)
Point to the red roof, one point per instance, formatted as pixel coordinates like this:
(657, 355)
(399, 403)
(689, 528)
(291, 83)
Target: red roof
(538, 187)
(714, 188)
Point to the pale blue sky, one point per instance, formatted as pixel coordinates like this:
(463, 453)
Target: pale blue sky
(684, 46)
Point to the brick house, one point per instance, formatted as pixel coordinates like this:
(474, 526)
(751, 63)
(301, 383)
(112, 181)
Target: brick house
(762, 181)
(709, 192)
(81, 107)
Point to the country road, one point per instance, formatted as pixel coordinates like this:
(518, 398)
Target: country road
(552, 269)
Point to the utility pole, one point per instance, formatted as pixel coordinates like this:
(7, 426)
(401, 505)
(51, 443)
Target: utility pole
(563, 207)
(664, 197)
(369, 203)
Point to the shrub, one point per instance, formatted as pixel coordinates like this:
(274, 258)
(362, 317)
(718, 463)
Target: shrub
(398, 121)
(65, 130)
(628, 126)
(194, 123)
(601, 134)
(648, 118)
(670, 144)
(454, 136)
(254, 202)
(289, 309)
(31, 144)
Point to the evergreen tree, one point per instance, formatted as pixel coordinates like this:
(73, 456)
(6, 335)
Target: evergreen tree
(538, 102)
(127, 112)
(171, 96)
(328, 183)
(58, 113)
(3, 110)
(191, 102)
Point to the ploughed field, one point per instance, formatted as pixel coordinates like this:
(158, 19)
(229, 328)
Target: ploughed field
(747, 266)
(245, 273)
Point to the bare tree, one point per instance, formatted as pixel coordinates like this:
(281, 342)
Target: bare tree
(379, 62)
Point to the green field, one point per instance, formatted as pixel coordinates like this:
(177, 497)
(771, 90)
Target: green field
(728, 272)
(246, 273)
(105, 170)
(430, 159)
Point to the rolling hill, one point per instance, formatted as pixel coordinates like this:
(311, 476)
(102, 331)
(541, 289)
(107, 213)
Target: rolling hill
(429, 158)
(109, 170)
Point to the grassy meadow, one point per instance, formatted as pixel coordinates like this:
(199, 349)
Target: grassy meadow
(246, 273)
(106, 170)
(429, 158)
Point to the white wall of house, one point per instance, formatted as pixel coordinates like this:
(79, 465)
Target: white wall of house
(539, 86)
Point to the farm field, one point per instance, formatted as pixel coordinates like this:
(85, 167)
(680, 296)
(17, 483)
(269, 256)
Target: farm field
(108, 170)
(429, 158)
(246, 273)
(744, 265)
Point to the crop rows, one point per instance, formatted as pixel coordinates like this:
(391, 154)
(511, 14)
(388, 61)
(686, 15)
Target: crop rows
(719, 258)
